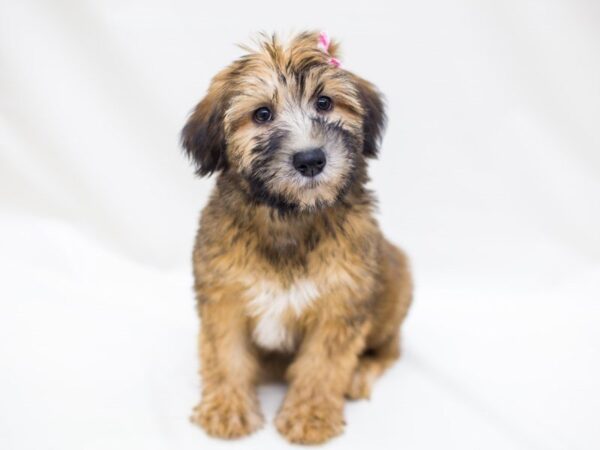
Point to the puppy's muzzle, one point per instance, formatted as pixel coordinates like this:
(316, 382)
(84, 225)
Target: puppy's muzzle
(310, 162)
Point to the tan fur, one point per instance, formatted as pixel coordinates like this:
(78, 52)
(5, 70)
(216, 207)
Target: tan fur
(344, 289)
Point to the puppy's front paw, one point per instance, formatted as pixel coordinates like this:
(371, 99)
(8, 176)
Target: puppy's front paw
(310, 422)
(228, 416)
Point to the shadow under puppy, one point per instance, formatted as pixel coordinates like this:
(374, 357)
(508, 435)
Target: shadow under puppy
(289, 261)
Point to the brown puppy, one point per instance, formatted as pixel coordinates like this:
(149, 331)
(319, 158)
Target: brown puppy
(291, 269)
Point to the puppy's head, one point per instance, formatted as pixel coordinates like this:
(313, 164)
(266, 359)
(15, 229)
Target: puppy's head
(290, 123)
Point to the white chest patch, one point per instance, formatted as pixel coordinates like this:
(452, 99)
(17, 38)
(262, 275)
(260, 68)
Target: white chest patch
(269, 303)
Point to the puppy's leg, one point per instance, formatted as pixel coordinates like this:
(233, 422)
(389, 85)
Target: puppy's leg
(389, 311)
(229, 406)
(313, 408)
(370, 366)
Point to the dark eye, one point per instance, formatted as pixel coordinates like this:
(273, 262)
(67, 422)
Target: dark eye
(324, 103)
(263, 114)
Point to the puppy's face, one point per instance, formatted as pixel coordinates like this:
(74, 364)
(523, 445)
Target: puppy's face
(294, 127)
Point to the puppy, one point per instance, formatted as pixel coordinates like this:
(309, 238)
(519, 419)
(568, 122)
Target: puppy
(292, 273)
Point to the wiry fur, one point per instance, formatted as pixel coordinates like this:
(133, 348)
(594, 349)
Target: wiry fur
(291, 272)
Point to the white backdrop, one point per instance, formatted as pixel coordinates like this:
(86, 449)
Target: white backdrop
(489, 177)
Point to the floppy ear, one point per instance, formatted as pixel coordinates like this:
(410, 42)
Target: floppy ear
(374, 118)
(203, 137)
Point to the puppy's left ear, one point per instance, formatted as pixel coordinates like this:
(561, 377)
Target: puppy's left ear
(374, 118)
(203, 136)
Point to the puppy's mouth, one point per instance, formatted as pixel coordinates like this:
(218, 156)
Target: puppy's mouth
(313, 183)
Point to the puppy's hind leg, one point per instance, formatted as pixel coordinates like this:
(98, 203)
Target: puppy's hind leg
(383, 343)
(371, 364)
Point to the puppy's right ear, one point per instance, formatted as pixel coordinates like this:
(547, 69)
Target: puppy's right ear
(203, 137)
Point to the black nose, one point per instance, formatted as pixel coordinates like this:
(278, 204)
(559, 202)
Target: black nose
(310, 162)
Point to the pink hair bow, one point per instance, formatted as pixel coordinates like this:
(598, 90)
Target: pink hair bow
(324, 42)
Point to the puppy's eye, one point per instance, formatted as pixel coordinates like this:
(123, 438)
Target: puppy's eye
(324, 103)
(263, 114)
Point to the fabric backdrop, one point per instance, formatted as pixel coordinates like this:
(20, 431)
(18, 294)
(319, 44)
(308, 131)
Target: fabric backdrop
(489, 177)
